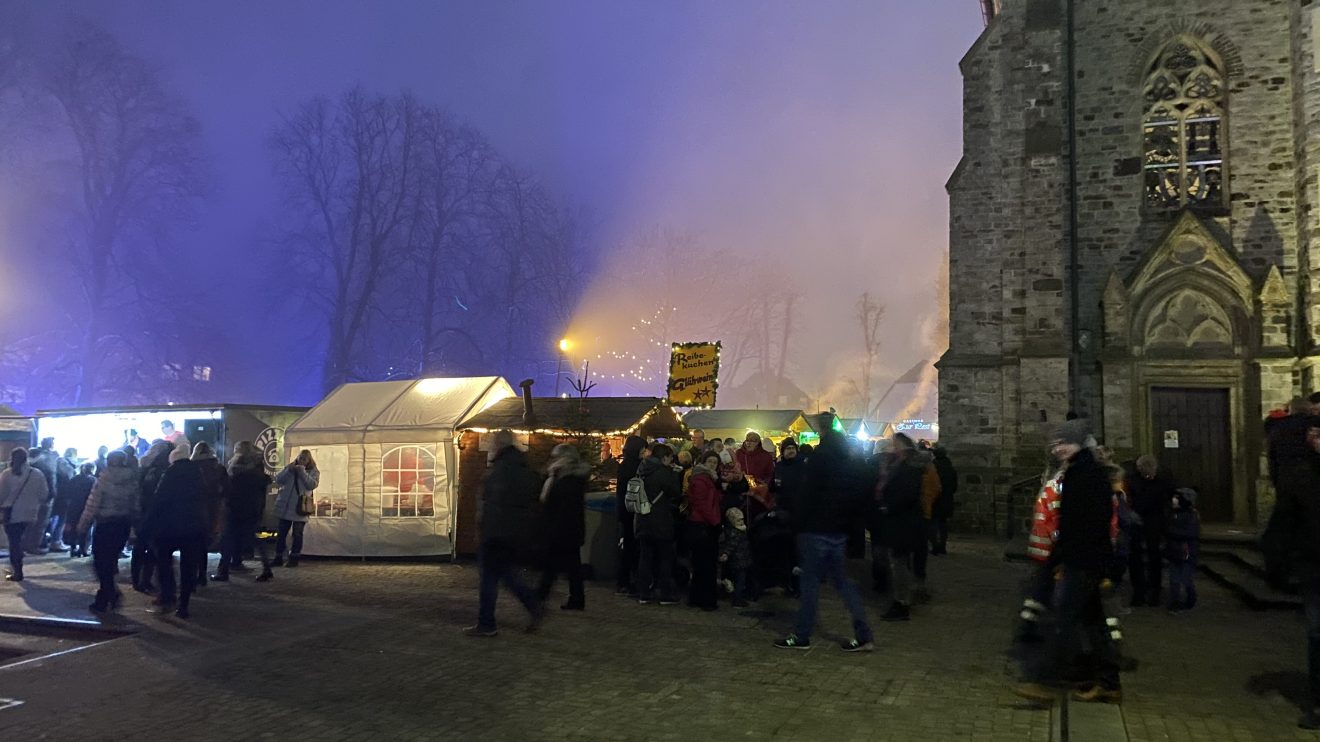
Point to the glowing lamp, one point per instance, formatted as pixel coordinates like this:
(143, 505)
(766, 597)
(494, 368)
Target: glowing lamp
(564, 345)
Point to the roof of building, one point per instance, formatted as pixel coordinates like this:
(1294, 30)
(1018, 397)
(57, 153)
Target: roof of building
(67, 411)
(395, 411)
(581, 416)
(758, 420)
(11, 421)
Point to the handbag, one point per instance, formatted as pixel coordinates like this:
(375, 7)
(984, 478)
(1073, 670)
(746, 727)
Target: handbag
(7, 511)
(306, 501)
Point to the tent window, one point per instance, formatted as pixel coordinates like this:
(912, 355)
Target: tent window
(332, 493)
(407, 483)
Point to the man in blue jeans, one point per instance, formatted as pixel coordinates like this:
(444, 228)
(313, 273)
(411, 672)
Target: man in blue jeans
(834, 502)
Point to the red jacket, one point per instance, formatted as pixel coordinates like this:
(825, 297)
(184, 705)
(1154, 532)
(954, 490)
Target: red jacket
(704, 499)
(1045, 519)
(758, 464)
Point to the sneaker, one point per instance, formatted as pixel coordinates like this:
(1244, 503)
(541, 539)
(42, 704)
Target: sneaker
(854, 645)
(58, 547)
(667, 601)
(643, 600)
(1036, 692)
(1098, 694)
(792, 642)
(897, 612)
(181, 612)
(217, 577)
(266, 576)
(480, 631)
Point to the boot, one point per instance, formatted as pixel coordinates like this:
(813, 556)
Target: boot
(14, 575)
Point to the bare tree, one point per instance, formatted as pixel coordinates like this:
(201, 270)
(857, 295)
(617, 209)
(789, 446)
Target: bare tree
(137, 169)
(870, 313)
(349, 173)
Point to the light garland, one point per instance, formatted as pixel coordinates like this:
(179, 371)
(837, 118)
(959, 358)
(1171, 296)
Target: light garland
(597, 434)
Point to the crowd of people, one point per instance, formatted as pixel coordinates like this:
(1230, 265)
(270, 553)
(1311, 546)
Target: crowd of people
(145, 502)
(720, 520)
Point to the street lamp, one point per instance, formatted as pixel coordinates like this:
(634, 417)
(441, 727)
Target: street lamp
(564, 345)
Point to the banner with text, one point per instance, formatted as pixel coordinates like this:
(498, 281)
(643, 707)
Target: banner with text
(694, 370)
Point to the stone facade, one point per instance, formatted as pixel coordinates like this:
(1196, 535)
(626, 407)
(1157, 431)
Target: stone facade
(1214, 295)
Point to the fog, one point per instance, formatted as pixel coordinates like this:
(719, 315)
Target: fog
(724, 161)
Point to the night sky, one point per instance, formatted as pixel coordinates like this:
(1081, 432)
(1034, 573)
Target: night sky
(813, 135)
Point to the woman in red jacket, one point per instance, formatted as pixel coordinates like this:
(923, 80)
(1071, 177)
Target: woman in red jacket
(703, 530)
(759, 465)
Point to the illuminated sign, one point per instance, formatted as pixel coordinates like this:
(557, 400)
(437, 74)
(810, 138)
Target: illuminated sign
(268, 443)
(694, 370)
(913, 425)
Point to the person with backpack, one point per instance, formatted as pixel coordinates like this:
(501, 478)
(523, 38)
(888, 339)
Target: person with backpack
(628, 465)
(507, 521)
(653, 497)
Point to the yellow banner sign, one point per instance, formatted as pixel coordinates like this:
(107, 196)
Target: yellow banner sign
(694, 370)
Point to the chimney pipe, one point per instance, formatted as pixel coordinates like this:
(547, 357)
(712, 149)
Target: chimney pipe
(529, 417)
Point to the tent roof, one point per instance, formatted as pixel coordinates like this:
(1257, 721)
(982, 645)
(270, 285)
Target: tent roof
(571, 415)
(374, 409)
(11, 420)
(758, 420)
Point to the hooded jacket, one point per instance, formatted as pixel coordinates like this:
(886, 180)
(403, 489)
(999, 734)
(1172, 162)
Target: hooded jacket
(179, 509)
(23, 494)
(703, 497)
(664, 491)
(248, 482)
(151, 469)
(564, 505)
(632, 459)
(509, 498)
(114, 497)
(834, 500)
(903, 498)
(215, 483)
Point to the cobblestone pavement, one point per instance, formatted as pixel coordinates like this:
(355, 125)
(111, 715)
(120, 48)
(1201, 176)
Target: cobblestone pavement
(349, 651)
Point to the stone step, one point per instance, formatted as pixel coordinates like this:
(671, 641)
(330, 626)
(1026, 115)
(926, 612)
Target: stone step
(1243, 574)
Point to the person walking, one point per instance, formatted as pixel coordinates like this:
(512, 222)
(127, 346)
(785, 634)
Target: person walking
(248, 482)
(1292, 548)
(834, 502)
(506, 521)
(1081, 553)
(112, 506)
(80, 489)
(656, 530)
(944, 506)
(1151, 495)
(628, 465)
(295, 480)
(177, 522)
(703, 532)
(151, 470)
(215, 484)
(66, 470)
(46, 462)
(902, 527)
(23, 490)
(563, 506)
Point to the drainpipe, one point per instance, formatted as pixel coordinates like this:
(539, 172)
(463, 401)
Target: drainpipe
(1074, 259)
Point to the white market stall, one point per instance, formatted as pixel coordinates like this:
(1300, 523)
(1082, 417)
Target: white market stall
(388, 457)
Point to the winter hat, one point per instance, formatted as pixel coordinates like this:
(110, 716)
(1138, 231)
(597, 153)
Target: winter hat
(179, 453)
(202, 451)
(735, 518)
(1073, 431)
(787, 443)
(1187, 495)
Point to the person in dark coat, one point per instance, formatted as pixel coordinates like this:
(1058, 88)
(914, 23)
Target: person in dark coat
(1079, 559)
(151, 470)
(944, 506)
(75, 500)
(628, 464)
(248, 482)
(1291, 544)
(507, 522)
(902, 529)
(1151, 494)
(215, 483)
(563, 507)
(177, 522)
(1183, 550)
(836, 499)
(45, 461)
(773, 545)
(657, 531)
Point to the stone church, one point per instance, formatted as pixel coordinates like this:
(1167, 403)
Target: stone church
(1130, 235)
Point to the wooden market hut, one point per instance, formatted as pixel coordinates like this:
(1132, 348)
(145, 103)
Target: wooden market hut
(735, 424)
(601, 423)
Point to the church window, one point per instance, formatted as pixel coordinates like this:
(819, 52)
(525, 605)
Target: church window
(1185, 106)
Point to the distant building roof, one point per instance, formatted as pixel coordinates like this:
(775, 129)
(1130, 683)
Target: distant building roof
(758, 420)
(646, 416)
(12, 421)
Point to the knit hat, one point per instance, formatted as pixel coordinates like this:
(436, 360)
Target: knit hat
(787, 443)
(735, 518)
(1073, 431)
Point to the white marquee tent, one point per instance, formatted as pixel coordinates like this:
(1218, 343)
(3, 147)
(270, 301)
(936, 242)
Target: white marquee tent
(389, 464)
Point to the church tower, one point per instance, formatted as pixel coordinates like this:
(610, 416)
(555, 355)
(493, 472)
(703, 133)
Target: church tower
(1130, 236)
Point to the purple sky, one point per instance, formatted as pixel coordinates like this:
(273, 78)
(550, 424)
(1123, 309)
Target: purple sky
(819, 133)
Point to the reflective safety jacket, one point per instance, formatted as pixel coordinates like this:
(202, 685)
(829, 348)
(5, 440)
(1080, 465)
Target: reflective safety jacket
(1045, 519)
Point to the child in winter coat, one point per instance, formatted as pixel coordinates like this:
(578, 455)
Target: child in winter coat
(736, 554)
(1182, 547)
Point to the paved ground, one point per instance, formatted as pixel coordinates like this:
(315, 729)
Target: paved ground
(347, 651)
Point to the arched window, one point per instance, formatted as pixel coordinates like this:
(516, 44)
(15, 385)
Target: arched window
(407, 483)
(1185, 137)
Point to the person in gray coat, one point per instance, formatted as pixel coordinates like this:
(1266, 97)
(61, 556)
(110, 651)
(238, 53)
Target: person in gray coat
(297, 478)
(23, 495)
